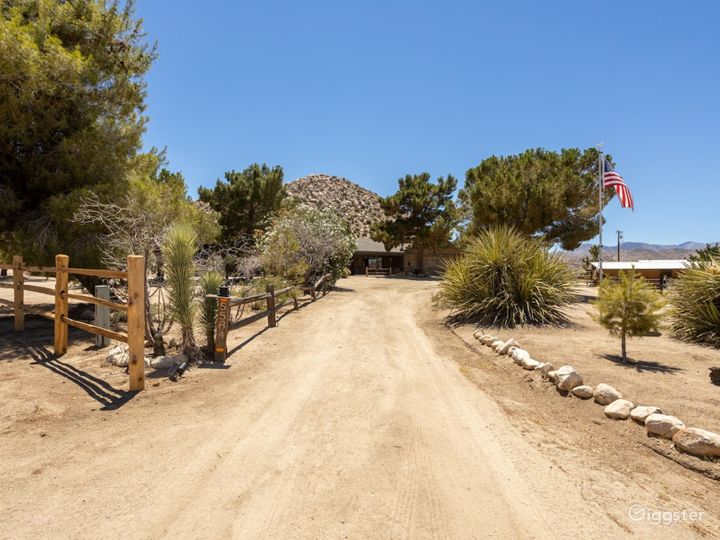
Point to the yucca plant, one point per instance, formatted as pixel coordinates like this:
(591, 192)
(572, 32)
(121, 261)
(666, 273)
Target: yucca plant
(628, 307)
(209, 284)
(506, 279)
(695, 300)
(179, 249)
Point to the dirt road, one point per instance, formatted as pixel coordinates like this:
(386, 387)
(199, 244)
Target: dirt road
(350, 420)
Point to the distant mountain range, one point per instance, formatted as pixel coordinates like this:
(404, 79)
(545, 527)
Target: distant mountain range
(634, 251)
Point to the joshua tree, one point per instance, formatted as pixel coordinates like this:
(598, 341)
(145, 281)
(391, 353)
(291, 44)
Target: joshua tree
(179, 250)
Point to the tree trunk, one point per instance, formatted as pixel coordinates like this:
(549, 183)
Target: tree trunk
(622, 345)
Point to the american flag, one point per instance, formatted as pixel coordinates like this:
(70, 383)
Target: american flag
(612, 178)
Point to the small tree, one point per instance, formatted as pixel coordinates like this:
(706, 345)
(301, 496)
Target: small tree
(628, 307)
(179, 250)
(592, 256)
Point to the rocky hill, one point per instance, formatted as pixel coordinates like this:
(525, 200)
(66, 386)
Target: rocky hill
(359, 206)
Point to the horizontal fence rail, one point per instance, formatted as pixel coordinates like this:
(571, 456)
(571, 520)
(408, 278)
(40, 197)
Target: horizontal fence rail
(223, 323)
(135, 307)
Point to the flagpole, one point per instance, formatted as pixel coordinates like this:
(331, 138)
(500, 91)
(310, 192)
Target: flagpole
(600, 218)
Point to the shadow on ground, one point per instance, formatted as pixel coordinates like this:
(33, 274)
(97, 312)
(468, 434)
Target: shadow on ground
(642, 365)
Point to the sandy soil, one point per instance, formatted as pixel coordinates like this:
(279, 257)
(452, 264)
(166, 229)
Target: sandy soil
(353, 419)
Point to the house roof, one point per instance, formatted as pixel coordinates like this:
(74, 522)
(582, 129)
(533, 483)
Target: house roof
(672, 264)
(368, 245)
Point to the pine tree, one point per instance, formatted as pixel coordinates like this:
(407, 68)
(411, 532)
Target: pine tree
(628, 307)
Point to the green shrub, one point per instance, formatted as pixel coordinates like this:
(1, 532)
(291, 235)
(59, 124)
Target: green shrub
(209, 284)
(507, 279)
(695, 299)
(628, 307)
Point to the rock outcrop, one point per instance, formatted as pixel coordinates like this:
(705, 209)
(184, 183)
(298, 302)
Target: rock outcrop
(359, 206)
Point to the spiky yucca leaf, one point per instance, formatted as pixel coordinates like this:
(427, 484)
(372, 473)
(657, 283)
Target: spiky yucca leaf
(179, 249)
(507, 279)
(209, 284)
(695, 299)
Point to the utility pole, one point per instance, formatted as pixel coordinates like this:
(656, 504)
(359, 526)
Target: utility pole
(619, 238)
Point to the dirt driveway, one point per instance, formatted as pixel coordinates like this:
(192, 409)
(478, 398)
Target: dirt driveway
(352, 419)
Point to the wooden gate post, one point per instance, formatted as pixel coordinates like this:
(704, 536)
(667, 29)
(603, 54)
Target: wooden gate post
(272, 320)
(61, 304)
(18, 284)
(222, 322)
(136, 321)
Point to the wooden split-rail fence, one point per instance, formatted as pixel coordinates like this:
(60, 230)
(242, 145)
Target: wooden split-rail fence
(223, 323)
(135, 306)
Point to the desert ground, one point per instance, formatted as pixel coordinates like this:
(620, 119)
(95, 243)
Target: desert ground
(361, 416)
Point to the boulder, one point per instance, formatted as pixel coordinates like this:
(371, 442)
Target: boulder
(518, 355)
(497, 346)
(529, 363)
(163, 362)
(583, 391)
(568, 378)
(698, 442)
(663, 425)
(640, 413)
(494, 342)
(511, 349)
(605, 394)
(118, 356)
(487, 339)
(508, 344)
(87, 314)
(619, 409)
(545, 369)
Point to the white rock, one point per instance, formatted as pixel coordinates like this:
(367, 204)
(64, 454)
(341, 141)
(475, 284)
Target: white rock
(486, 339)
(162, 362)
(494, 342)
(698, 442)
(552, 376)
(529, 363)
(605, 394)
(641, 412)
(508, 344)
(510, 350)
(498, 346)
(583, 391)
(546, 368)
(118, 356)
(663, 425)
(619, 409)
(568, 378)
(518, 355)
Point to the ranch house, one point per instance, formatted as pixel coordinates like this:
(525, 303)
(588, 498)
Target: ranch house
(371, 257)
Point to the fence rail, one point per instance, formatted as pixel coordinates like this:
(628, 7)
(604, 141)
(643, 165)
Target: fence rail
(223, 324)
(135, 307)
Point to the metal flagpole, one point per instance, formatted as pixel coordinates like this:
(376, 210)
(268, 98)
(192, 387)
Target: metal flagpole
(600, 219)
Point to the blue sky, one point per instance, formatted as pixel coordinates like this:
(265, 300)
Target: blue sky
(373, 90)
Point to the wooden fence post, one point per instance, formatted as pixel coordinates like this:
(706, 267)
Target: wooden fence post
(272, 320)
(222, 322)
(18, 283)
(61, 304)
(136, 321)
(102, 315)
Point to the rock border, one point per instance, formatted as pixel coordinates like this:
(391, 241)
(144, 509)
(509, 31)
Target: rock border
(568, 381)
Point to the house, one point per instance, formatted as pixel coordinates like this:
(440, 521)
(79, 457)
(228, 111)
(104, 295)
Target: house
(373, 256)
(651, 270)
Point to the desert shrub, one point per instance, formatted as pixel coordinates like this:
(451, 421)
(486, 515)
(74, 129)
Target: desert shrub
(179, 249)
(695, 304)
(628, 307)
(209, 284)
(304, 243)
(507, 279)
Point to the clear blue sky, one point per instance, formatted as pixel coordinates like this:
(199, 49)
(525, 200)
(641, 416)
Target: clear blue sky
(373, 90)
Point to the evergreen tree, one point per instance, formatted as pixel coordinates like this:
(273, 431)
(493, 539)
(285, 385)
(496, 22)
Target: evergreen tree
(628, 307)
(245, 200)
(538, 192)
(420, 214)
(71, 100)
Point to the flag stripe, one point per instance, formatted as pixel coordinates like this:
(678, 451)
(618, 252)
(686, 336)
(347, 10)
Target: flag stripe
(613, 179)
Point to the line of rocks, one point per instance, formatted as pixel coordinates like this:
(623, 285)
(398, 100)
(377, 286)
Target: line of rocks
(695, 441)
